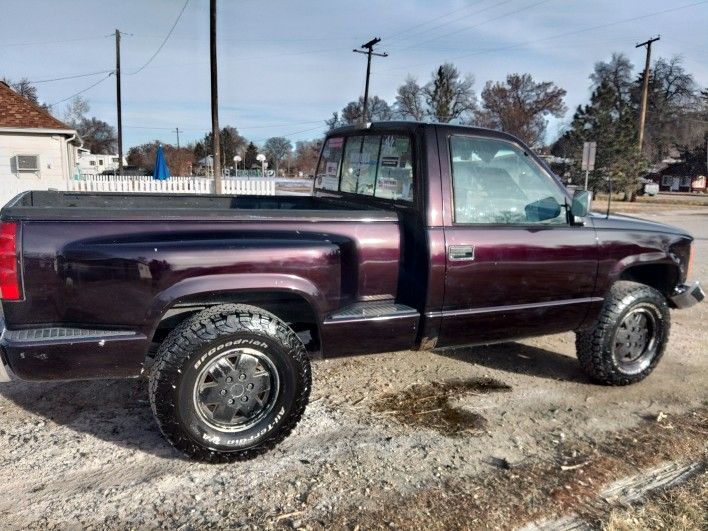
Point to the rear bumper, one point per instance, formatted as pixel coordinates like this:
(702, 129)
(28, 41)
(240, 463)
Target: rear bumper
(687, 295)
(69, 353)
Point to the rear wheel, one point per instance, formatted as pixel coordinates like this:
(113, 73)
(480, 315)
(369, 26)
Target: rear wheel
(229, 383)
(629, 338)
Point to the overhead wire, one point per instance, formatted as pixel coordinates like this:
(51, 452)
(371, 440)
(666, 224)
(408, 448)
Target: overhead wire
(81, 91)
(563, 34)
(162, 44)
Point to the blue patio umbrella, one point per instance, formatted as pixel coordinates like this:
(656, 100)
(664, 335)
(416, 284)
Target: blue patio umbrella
(161, 172)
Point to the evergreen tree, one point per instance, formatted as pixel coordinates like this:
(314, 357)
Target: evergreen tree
(613, 127)
(249, 157)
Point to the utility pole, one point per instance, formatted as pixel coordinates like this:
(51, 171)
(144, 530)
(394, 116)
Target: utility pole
(368, 50)
(177, 131)
(645, 89)
(216, 143)
(118, 105)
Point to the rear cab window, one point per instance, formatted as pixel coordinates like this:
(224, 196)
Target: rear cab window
(369, 165)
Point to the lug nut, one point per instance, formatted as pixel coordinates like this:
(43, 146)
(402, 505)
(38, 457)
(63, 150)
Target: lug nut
(249, 386)
(231, 400)
(229, 379)
(244, 399)
(222, 392)
(242, 377)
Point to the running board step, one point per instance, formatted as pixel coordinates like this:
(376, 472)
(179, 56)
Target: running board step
(372, 310)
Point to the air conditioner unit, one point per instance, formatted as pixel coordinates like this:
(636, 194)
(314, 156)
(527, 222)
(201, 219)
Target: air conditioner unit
(26, 162)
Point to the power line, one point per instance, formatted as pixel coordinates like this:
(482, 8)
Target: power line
(32, 43)
(74, 76)
(396, 35)
(81, 91)
(467, 28)
(242, 128)
(169, 33)
(564, 34)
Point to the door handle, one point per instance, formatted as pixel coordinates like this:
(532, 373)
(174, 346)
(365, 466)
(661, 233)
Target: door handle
(460, 252)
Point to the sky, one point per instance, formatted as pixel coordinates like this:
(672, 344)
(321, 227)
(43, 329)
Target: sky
(286, 65)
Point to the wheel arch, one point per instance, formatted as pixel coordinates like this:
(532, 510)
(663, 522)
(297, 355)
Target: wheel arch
(662, 276)
(293, 299)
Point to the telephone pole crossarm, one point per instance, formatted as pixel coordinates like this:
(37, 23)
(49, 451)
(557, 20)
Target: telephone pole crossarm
(368, 50)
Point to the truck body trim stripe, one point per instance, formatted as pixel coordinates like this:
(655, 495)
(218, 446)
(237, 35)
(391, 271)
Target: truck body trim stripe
(513, 307)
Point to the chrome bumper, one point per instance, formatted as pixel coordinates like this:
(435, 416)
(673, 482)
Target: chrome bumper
(687, 295)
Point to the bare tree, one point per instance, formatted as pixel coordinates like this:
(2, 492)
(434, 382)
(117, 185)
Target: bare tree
(378, 110)
(306, 155)
(277, 149)
(410, 100)
(617, 74)
(448, 96)
(98, 136)
(520, 105)
(76, 111)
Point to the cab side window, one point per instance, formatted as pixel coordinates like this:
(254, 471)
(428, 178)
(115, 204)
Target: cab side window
(496, 182)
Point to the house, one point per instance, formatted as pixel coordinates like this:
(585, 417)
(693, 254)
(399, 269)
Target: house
(683, 176)
(37, 151)
(93, 164)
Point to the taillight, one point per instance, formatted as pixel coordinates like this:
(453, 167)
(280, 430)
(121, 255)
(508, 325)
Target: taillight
(9, 274)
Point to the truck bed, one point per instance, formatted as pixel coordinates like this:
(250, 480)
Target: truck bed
(53, 205)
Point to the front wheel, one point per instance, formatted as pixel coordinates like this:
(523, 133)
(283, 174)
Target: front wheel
(630, 337)
(229, 383)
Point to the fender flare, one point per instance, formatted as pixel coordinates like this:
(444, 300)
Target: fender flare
(210, 285)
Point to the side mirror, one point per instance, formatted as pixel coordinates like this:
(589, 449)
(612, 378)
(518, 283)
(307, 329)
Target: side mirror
(543, 209)
(581, 204)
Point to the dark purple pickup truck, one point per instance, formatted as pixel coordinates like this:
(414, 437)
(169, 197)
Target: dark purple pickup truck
(418, 236)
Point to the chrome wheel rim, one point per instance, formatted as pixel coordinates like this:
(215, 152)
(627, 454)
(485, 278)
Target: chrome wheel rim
(635, 340)
(236, 390)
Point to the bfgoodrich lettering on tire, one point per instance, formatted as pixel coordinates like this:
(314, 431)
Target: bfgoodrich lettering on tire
(630, 337)
(229, 383)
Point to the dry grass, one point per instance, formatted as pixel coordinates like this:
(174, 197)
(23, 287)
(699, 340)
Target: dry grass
(510, 497)
(683, 508)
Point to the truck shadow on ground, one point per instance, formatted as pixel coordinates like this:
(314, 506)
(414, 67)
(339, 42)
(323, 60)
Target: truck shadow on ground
(118, 411)
(521, 359)
(115, 411)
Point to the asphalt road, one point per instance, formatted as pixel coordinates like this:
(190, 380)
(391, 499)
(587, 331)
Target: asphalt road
(368, 451)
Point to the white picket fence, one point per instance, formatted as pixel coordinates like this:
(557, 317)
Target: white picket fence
(173, 185)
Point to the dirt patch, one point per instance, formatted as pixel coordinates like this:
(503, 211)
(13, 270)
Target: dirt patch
(542, 489)
(432, 405)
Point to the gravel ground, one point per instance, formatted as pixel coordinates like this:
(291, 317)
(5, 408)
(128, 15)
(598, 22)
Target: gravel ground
(88, 454)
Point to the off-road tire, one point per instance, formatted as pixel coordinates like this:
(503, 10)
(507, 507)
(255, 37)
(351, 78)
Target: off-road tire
(595, 346)
(201, 338)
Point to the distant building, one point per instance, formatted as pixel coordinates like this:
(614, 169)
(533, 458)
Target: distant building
(92, 163)
(37, 151)
(680, 176)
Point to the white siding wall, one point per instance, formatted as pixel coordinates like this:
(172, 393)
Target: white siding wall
(53, 163)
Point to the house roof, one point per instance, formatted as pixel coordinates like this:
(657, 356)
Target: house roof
(18, 112)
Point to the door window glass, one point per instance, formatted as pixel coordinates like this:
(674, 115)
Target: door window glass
(496, 182)
(327, 176)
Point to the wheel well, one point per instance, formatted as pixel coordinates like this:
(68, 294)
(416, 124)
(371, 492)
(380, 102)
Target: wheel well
(661, 277)
(291, 308)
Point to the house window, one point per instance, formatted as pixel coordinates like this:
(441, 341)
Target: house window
(100, 162)
(92, 162)
(115, 160)
(686, 180)
(666, 180)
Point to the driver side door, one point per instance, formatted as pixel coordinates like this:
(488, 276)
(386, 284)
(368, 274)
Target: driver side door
(515, 267)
